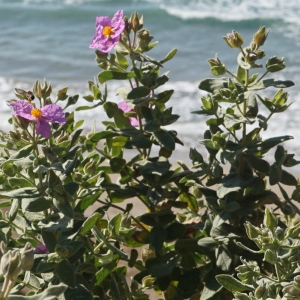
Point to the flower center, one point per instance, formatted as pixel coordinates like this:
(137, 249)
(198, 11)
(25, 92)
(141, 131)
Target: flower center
(107, 31)
(36, 113)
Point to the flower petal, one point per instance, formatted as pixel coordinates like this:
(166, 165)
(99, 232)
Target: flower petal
(53, 113)
(134, 122)
(41, 249)
(23, 109)
(43, 128)
(124, 106)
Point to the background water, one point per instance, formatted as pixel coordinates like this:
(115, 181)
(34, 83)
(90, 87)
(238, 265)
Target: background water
(50, 38)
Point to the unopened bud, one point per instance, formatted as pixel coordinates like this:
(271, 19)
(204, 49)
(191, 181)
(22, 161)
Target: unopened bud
(216, 66)
(27, 257)
(275, 64)
(234, 39)
(147, 253)
(280, 98)
(148, 281)
(11, 265)
(260, 36)
(127, 27)
(144, 38)
(21, 122)
(100, 56)
(270, 256)
(135, 23)
(260, 291)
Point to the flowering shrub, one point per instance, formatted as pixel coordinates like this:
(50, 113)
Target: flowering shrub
(205, 232)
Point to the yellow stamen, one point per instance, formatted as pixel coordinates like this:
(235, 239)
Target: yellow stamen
(107, 31)
(36, 113)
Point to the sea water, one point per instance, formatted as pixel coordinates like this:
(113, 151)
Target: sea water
(50, 38)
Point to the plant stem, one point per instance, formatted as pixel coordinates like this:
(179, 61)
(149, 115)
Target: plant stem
(262, 76)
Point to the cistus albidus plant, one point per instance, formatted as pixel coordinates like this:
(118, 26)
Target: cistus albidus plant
(194, 235)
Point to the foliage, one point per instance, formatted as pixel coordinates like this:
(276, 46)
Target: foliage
(198, 221)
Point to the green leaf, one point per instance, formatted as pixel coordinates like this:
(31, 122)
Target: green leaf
(157, 237)
(221, 217)
(123, 62)
(65, 272)
(89, 223)
(62, 204)
(263, 84)
(175, 231)
(162, 266)
(256, 163)
(51, 293)
(231, 183)
(275, 173)
(288, 178)
(62, 94)
(36, 205)
(117, 164)
(169, 56)
(211, 85)
(108, 75)
(232, 284)
(104, 272)
(25, 151)
(164, 139)
(155, 195)
(115, 224)
(138, 92)
(224, 258)
(79, 292)
(190, 200)
(20, 193)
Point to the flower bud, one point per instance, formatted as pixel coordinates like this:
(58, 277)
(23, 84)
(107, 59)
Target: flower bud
(148, 281)
(135, 23)
(27, 257)
(241, 296)
(218, 140)
(144, 38)
(280, 98)
(279, 233)
(234, 39)
(260, 54)
(216, 66)
(127, 27)
(21, 122)
(14, 136)
(270, 256)
(260, 36)
(147, 253)
(10, 265)
(260, 291)
(275, 64)
(100, 56)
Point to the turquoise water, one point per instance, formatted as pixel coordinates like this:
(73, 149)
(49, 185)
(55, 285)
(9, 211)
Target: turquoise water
(50, 39)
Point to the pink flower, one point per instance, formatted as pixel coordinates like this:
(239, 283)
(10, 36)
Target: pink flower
(108, 32)
(48, 113)
(126, 108)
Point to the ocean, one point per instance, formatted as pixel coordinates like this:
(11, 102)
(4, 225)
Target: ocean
(50, 39)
